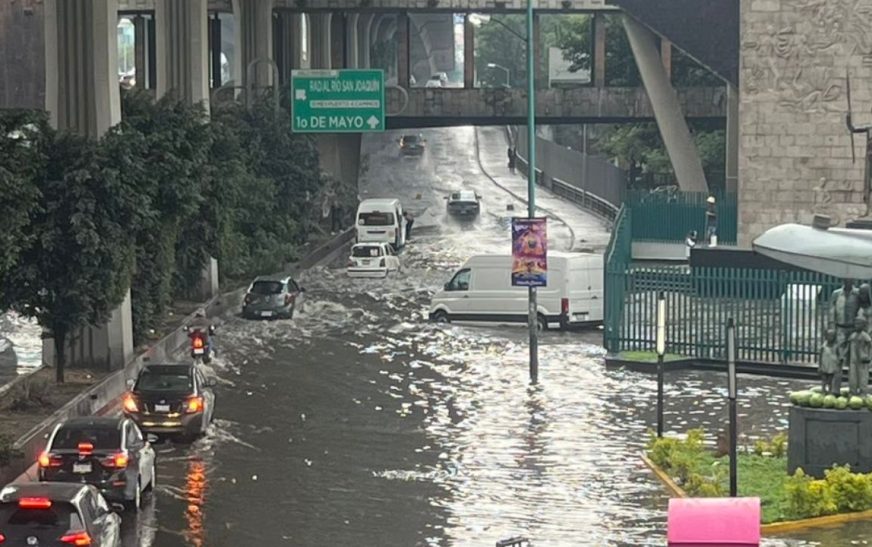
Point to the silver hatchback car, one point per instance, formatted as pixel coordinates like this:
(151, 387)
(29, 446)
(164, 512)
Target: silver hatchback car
(272, 297)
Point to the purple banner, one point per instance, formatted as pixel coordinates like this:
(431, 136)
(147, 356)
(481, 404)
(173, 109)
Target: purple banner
(529, 252)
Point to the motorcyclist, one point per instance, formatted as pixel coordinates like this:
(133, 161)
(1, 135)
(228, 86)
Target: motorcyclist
(200, 325)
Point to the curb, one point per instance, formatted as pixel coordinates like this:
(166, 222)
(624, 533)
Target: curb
(98, 398)
(772, 528)
(757, 368)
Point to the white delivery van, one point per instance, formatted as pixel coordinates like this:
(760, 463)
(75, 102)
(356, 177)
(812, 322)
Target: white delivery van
(482, 291)
(381, 221)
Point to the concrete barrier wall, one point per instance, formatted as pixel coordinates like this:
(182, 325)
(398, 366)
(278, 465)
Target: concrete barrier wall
(103, 397)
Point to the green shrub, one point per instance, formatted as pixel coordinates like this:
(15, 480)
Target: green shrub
(778, 446)
(852, 491)
(808, 497)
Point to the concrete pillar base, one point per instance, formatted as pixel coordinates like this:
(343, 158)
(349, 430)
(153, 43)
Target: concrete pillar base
(209, 282)
(340, 156)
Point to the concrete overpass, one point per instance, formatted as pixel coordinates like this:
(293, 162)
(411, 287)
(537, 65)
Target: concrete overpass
(69, 67)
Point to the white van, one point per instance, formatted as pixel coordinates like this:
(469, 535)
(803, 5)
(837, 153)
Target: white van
(482, 291)
(381, 221)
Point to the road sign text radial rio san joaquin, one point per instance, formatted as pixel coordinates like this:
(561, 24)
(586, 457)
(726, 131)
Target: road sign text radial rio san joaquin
(338, 101)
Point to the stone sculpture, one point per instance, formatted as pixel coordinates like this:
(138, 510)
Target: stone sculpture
(844, 306)
(831, 374)
(861, 355)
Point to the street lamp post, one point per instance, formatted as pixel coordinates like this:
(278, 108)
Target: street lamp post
(532, 319)
(504, 69)
(661, 352)
(731, 392)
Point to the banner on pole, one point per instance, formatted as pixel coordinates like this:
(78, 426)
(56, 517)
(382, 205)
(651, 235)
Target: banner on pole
(529, 252)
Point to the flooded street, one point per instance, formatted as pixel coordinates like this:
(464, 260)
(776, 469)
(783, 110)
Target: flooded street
(360, 423)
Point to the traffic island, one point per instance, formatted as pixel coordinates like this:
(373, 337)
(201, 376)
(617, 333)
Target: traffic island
(789, 502)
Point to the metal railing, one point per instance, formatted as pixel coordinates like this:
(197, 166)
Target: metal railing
(618, 257)
(780, 314)
(584, 199)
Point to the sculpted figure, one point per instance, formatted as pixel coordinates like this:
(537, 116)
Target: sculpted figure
(831, 373)
(844, 306)
(861, 355)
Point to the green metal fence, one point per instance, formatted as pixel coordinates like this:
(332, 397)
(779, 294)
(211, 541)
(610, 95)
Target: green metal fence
(617, 260)
(668, 215)
(780, 314)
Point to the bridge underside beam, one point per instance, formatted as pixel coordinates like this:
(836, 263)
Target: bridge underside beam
(446, 107)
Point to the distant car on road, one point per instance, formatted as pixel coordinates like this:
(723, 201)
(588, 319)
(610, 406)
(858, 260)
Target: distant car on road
(464, 204)
(271, 297)
(435, 81)
(52, 513)
(110, 453)
(372, 260)
(412, 145)
(174, 399)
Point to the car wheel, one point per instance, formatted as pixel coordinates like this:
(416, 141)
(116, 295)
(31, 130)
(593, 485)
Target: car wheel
(542, 324)
(441, 317)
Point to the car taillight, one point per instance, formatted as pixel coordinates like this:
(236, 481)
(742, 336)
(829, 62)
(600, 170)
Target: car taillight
(86, 449)
(76, 538)
(194, 404)
(129, 403)
(34, 503)
(118, 460)
(46, 460)
(564, 306)
(198, 342)
(2, 538)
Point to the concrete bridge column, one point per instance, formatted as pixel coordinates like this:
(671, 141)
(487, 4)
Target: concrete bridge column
(288, 35)
(667, 111)
(140, 50)
(364, 39)
(468, 53)
(599, 50)
(183, 49)
(732, 158)
(321, 40)
(351, 40)
(254, 31)
(82, 96)
(666, 56)
(403, 50)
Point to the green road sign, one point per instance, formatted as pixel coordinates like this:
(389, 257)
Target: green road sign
(338, 101)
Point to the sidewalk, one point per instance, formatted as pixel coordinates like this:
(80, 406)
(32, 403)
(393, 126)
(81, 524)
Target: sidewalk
(591, 233)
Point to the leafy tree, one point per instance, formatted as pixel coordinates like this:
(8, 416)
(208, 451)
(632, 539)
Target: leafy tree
(575, 37)
(77, 267)
(23, 143)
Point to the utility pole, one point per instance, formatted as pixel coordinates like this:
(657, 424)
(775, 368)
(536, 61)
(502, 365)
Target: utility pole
(532, 319)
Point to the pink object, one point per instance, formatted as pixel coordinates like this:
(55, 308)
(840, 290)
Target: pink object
(713, 522)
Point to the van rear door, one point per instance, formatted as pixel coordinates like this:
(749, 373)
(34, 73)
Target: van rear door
(585, 290)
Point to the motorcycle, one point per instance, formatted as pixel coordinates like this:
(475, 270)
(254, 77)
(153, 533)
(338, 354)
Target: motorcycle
(201, 350)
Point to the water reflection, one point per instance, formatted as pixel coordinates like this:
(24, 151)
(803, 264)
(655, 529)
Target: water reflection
(195, 494)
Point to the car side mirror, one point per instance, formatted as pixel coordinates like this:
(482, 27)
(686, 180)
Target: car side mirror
(445, 198)
(117, 507)
(152, 438)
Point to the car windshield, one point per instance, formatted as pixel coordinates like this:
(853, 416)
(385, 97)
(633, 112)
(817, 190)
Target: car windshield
(360, 251)
(47, 525)
(376, 218)
(410, 139)
(267, 287)
(69, 437)
(164, 381)
(463, 196)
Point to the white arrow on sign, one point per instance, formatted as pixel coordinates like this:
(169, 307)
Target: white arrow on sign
(373, 122)
(301, 94)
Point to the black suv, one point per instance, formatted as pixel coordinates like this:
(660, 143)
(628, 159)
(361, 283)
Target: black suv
(171, 400)
(412, 145)
(57, 514)
(109, 453)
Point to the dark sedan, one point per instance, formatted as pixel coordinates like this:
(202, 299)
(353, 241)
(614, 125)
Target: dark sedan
(412, 145)
(110, 453)
(171, 400)
(51, 513)
(464, 204)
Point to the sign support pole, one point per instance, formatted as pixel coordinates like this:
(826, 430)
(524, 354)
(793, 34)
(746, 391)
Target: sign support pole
(661, 351)
(533, 319)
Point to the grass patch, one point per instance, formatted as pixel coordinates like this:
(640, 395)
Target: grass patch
(647, 356)
(701, 473)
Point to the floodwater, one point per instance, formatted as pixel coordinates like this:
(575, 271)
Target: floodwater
(359, 423)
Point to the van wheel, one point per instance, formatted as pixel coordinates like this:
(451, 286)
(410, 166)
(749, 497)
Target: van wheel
(542, 323)
(440, 317)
